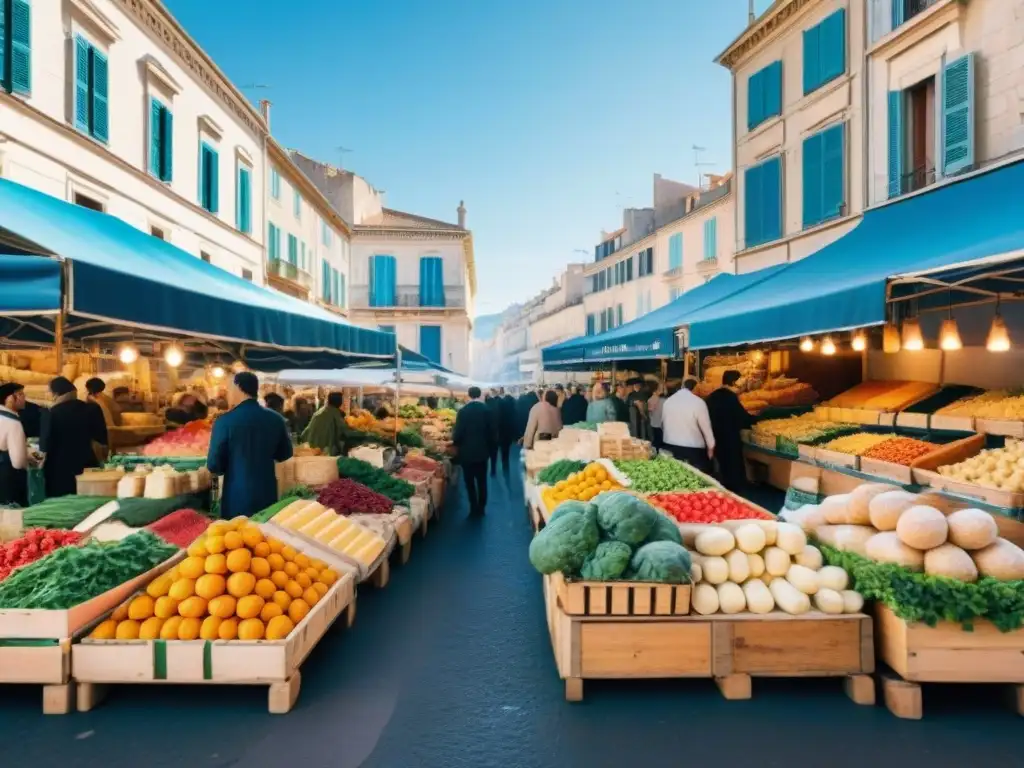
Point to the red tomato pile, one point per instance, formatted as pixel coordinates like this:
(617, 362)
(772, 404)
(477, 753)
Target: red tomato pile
(36, 543)
(706, 507)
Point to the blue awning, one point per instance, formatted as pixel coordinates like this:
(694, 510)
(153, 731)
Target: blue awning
(123, 282)
(649, 337)
(843, 286)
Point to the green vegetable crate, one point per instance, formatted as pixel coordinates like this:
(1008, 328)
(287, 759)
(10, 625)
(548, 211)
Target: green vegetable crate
(35, 645)
(614, 640)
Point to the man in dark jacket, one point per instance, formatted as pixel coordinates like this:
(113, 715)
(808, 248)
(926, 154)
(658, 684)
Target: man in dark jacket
(524, 404)
(574, 409)
(245, 444)
(728, 417)
(618, 398)
(509, 429)
(493, 403)
(73, 435)
(475, 436)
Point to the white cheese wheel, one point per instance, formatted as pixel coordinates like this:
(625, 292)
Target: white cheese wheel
(715, 541)
(750, 538)
(886, 547)
(833, 577)
(950, 561)
(730, 598)
(922, 528)
(885, 508)
(810, 557)
(828, 601)
(972, 528)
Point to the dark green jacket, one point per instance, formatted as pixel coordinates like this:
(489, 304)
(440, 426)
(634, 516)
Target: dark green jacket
(326, 430)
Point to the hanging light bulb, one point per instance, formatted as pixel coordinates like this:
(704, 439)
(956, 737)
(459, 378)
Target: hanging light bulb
(806, 344)
(828, 347)
(949, 336)
(757, 356)
(238, 366)
(913, 339)
(998, 336)
(173, 356)
(129, 354)
(859, 342)
(890, 339)
(218, 372)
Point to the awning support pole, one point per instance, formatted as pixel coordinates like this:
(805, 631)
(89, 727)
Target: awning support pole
(58, 325)
(398, 389)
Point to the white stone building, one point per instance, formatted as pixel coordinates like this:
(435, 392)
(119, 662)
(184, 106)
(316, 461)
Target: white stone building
(408, 274)
(111, 105)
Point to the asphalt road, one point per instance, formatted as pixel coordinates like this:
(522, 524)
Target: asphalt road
(451, 667)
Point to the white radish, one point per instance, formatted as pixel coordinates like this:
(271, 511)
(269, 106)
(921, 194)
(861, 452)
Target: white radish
(731, 598)
(803, 578)
(776, 561)
(705, 599)
(790, 538)
(828, 601)
(853, 602)
(715, 542)
(789, 598)
(739, 566)
(833, 577)
(759, 597)
(750, 538)
(810, 557)
(755, 563)
(716, 570)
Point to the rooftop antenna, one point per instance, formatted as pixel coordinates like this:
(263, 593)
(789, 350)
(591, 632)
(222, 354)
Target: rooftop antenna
(751, 16)
(342, 151)
(698, 153)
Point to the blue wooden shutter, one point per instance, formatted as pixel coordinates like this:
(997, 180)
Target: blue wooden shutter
(771, 189)
(898, 15)
(832, 42)
(812, 177)
(811, 58)
(167, 143)
(833, 171)
(711, 238)
(430, 342)
(958, 115)
(340, 285)
(100, 83)
(81, 84)
(618, 315)
(752, 228)
(155, 138)
(895, 140)
(214, 181)
(591, 325)
(772, 88)
(755, 99)
(21, 47)
(245, 200)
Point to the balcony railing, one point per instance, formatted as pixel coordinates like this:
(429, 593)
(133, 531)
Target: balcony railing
(919, 178)
(285, 270)
(707, 265)
(406, 297)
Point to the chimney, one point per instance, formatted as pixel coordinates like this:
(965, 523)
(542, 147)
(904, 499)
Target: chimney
(265, 111)
(751, 16)
(462, 214)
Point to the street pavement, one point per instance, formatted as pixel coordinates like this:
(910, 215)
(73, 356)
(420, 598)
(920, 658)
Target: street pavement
(450, 666)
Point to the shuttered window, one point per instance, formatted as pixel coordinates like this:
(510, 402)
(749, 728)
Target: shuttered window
(958, 115)
(243, 200)
(895, 142)
(92, 81)
(383, 272)
(823, 175)
(711, 238)
(825, 51)
(273, 243)
(431, 281)
(675, 251)
(297, 204)
(764, 94)
(16, 46)
(618, 315)
(209, 178)
(762, 202)
(430, 342)
(325, 234)
(591, 325)
(275, 184)
(161, 141)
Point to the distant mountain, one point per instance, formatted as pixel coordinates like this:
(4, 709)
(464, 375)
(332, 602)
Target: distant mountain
(485, 326)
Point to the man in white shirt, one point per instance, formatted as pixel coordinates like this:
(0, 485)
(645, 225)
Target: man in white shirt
(687, 428)
(13, 447)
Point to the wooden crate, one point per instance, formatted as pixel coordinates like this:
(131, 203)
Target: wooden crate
(1000, 427)
(836, 459)
(944, 653)
(39, 624)
(626, 598)
(953, 423)
(729, 649)
(40, 662)
(273, 663)
(899, 473)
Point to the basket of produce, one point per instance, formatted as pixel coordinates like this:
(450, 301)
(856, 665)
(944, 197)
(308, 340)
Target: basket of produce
(375, 479)
(98, 482)
(663, 474)
(695, 511)
(894, 458)
(580, 486)
(314, 470)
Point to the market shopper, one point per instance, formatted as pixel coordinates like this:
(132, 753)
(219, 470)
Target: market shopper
(618, 399)
(299, 415)
(189, 408)
(601, 407)
(728, 418)
(574, 409)
(687, 429)
(111, 411)
(474, 436)
(73, 438)
(654, 405)
(507, 430)
(13, 447)
(274, 402)
(494, 408)
(245, 444)
(636, 400)
(525, 402)
(545, 420)
(327, 429)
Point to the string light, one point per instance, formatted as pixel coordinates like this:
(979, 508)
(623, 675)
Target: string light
(828, 347)
(129, 354)
(949, 336)
(913, 339)
(998, 336)
(890, 339)
(218, 372)
(806, 344)
(859, 341)
(173, 356)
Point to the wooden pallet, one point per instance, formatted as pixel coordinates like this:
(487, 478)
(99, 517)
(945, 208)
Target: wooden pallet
(945, 653)
(40, 662)
(729, 649)
(276, 664)
(621, 598)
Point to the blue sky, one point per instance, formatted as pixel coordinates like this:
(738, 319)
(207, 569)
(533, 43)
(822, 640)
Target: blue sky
(546, 116)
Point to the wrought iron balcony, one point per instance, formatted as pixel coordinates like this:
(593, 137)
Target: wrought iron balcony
(708, 265)
(279, 271)
(407, 297)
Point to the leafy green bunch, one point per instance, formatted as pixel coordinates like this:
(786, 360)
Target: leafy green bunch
(930, 599)
(560, 470)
